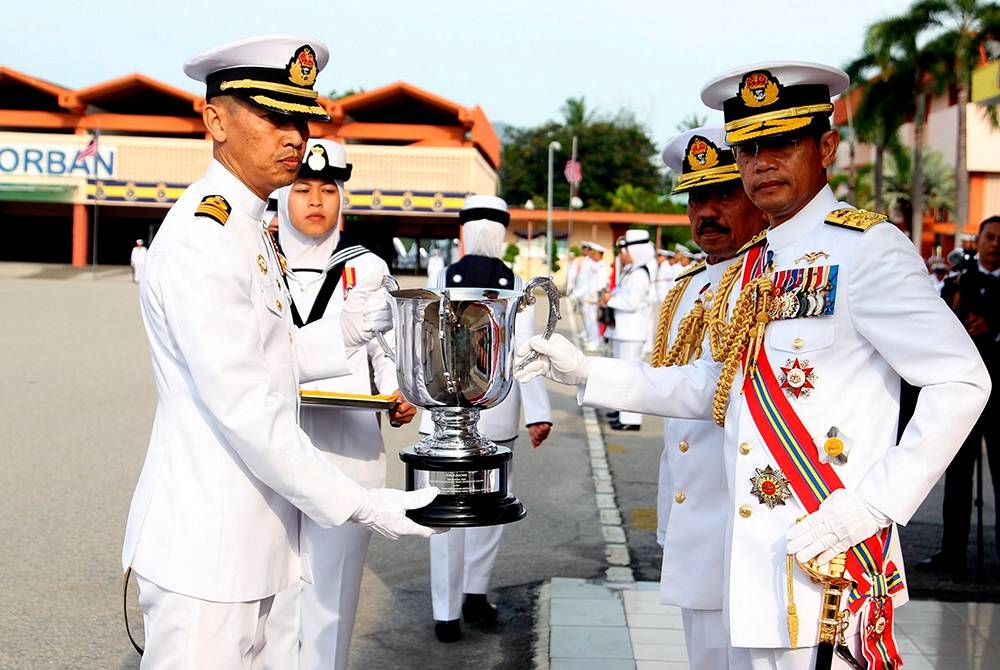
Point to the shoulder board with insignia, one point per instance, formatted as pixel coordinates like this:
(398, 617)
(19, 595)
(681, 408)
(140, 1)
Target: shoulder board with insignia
(691, 270)
(854, 219)
(759, 238)
(214, 207)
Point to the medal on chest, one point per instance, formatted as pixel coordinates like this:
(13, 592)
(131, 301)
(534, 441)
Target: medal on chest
(797, 378)
(770, 486)
(350, 279)
(803, 292)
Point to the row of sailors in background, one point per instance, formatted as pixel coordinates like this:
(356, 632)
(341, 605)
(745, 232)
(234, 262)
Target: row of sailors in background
(591, 282)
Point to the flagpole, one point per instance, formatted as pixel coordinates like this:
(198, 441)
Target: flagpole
(553, 147)
(93, 260)
(569, 221)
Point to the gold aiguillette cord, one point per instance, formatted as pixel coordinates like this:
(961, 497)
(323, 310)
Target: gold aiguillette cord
(792, 617)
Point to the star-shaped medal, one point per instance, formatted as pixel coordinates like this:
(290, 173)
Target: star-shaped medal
(797, 378)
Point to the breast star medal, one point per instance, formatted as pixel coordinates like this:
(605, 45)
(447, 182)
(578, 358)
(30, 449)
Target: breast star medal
(770, 487)
(836, 446)
(797, 378)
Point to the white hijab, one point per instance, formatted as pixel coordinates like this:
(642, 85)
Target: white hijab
(304, 251)
(484, 237)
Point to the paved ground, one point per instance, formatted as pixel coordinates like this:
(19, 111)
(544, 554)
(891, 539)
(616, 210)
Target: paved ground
(76, 403)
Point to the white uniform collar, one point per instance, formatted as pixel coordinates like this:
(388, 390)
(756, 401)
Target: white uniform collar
(805, 220)
(995, 273)
(237, 194)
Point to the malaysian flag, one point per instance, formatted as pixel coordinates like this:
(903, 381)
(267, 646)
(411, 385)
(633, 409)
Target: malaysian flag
(573, 172)
(89, 150)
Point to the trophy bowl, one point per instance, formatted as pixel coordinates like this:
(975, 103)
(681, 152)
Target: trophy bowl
(454, 357)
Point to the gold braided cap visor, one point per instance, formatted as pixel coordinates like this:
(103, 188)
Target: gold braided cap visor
(269, 86)
(706, 178)
(314, 110)
(773, 123)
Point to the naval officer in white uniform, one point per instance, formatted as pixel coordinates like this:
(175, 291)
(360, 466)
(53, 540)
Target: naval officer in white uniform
(629, 302)
(212, 532)
(691, 508)
(327, 275)
(462, 559)
(818, 333)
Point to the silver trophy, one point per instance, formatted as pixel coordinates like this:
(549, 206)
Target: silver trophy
(454, 357)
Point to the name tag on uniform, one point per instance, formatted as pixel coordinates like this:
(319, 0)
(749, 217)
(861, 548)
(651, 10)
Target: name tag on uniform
(800, 293)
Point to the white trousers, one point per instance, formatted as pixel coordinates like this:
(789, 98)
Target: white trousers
(787, 659)
(706, 639)
(627, 350)
(185, 633)
(311, 625)
(588, 313)
(462, 561)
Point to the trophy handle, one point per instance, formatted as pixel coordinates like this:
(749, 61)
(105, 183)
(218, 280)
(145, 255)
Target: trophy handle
(549, 286)
(446, 316)
(389, 283)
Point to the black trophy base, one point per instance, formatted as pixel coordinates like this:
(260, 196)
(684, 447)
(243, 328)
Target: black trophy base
(473, 489)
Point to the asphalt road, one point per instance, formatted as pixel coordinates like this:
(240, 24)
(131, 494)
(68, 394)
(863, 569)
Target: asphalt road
(76, 404)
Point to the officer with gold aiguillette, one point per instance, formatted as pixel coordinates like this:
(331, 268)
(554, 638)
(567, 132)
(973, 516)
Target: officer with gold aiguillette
(819, 332)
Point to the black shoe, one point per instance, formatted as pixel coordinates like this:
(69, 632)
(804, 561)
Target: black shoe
(478, 610)
(618, 425)
(941, 564)
(611, 415)
(447, 631)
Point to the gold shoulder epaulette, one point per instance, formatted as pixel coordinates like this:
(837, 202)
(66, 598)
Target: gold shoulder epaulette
(754, 241)
(214, 207)
(855, 219)
(690, 270)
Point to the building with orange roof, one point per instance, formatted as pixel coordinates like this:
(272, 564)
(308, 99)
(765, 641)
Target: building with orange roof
(416, 156)
(982, 145)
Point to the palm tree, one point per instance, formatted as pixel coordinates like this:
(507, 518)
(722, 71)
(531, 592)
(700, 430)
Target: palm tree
(886, 101)
(967, 25)
(938, 184)
(893, 46)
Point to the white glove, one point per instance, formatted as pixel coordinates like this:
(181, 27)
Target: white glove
(378, 313)
(384, 512)
(359, 328)
(843, 520)
(557, 358)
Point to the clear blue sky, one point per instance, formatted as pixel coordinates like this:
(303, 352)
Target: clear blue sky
(518, 59)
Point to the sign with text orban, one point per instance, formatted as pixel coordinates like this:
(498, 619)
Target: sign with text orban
(47, 159)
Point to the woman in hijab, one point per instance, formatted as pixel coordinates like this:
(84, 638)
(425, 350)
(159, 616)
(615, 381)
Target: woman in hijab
(310, 625)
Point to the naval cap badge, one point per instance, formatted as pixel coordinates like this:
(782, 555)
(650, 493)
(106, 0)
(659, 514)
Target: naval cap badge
(302, 66)
(759, 89)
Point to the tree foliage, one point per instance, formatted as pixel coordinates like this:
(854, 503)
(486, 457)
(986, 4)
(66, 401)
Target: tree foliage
(613, 150)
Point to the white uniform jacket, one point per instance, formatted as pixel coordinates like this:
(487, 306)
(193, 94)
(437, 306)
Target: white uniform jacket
(630, 300)
(665, 274)
(350, 438)
(887, 323)
(691, 511)
(500, 423)
(214, 512)
(593, 278)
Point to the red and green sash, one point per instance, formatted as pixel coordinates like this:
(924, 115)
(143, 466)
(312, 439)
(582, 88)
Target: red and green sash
(792, 447)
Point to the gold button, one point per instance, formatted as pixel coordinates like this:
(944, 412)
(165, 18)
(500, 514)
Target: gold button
(679, 497)
(291, 340)
(683, 446)
(745, 511)
(745, 448)
(277, 303)
(798, 343)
